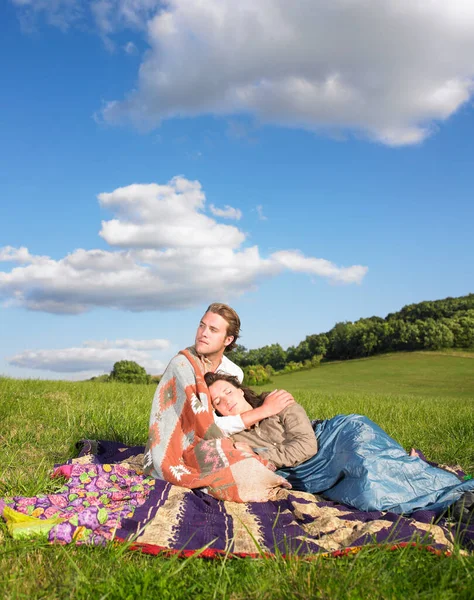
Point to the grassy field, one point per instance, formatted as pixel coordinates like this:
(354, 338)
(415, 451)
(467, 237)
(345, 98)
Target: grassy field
(427, 374)
(422, 399)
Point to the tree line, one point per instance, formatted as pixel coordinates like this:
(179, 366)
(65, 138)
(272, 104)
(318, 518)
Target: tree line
(431, 325)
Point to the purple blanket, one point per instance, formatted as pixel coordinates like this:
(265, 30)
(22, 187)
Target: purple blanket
(106, 496)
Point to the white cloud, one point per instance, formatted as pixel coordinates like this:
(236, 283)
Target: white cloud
(95, 356)
(385, 69)
(160, 216)
(20, 256)
(389, 70)
(293, 260)
(76, 360)
(261, 216)
(228, 212)
(176, 258)
(156, 344)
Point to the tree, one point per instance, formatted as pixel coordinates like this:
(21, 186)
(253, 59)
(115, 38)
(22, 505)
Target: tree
(462, 326)
(429, 325)
(340, 341)
(435, 335)
(435, 309)
(300, 353)
(256, 375)
(273, 355)
(317, 344)
(238, 355)
(128, 371)
(403, 335)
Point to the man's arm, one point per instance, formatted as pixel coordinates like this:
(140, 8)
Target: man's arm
(273, 404)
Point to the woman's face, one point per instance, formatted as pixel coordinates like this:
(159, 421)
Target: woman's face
(228, 399)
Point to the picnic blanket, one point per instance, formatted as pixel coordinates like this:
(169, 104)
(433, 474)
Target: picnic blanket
(187, 448)
(106, 496)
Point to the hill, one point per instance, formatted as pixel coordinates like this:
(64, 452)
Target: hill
(431, 325)
(422, 399)
(427, 374)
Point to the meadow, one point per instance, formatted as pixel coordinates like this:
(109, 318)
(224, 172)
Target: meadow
(425, 400)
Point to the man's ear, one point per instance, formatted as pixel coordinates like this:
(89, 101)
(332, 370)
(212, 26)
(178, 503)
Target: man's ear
(228, 340)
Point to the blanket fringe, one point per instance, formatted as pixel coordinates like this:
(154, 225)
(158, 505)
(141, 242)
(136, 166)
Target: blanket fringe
(210, 553)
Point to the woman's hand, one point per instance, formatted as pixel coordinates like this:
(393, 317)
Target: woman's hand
(243, 447)
(276, 401)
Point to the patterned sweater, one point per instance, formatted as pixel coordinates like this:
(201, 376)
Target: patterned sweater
(186, 447)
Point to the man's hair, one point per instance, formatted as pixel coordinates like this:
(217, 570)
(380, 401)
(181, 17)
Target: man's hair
(233, 321)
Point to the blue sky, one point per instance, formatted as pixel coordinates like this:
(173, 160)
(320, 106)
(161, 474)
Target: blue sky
(306, 164)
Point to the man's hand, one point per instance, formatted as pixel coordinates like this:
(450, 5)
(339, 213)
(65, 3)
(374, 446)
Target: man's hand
(276, 401)
(273, 404)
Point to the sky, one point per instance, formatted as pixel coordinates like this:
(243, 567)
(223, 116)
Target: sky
(307, 162)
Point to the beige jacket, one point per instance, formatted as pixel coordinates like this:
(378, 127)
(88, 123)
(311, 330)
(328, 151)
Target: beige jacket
(287, 439)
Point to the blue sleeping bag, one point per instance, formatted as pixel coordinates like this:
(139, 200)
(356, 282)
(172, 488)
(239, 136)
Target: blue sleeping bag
(360, 465)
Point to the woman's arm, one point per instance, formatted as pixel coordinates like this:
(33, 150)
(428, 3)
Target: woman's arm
(300, 440)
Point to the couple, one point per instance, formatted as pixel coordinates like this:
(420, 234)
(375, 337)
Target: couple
(347, 459)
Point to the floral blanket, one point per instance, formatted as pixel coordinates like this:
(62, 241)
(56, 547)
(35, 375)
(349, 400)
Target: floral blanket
(185, 446)
(107, 497)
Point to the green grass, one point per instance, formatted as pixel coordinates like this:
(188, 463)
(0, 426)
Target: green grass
(428, 374)
(421, 399)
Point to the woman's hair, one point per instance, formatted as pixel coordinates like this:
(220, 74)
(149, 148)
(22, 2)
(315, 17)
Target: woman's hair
(233, 321)
(252, 398)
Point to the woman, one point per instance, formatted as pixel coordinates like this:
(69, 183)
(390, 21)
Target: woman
(347, 459)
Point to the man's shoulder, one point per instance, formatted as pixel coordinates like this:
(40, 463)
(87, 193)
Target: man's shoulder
(179, 362)
(230, 368)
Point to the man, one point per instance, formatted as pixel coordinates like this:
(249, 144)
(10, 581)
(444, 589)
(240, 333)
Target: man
(185, 446)
(217, 334)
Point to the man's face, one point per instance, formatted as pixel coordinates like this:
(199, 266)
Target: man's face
(211, 335)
